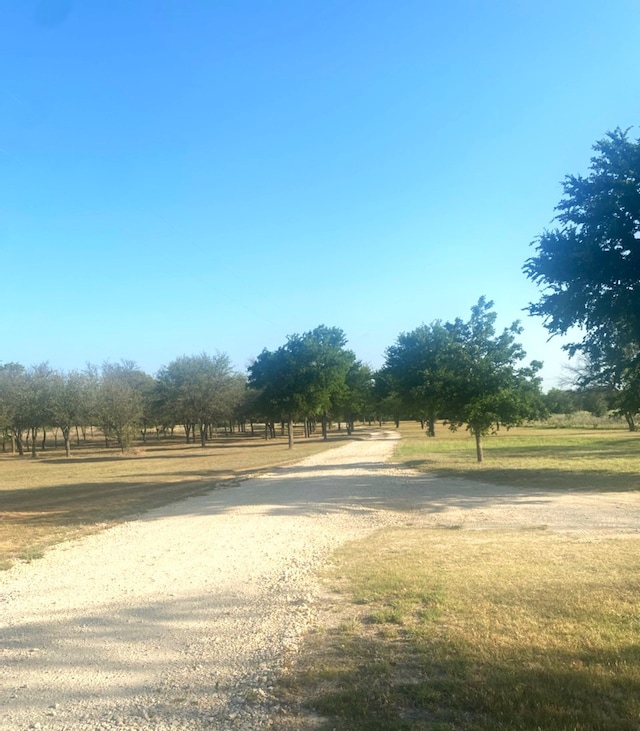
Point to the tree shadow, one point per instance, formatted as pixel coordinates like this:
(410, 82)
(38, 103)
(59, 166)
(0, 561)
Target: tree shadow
(113, 659)
(366, 682)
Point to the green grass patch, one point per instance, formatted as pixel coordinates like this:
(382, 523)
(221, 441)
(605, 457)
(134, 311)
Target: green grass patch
(477, 630)
(568, 459)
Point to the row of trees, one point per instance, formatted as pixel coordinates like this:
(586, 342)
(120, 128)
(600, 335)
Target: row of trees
(462, 372)
(119, 399)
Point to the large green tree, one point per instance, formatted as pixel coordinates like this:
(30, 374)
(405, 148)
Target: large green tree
(306, 377)
(588, 266)
(418, 369)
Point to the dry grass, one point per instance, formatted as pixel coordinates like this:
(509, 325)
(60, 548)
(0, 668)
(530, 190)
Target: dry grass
(475, 630)
(445, 630)
(52, 498)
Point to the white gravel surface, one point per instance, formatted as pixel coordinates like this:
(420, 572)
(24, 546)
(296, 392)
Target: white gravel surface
(180, 620)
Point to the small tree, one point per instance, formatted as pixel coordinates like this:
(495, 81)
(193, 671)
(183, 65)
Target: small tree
(119, 404)
(484, 386)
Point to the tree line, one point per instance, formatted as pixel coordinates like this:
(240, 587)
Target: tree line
(461, 372)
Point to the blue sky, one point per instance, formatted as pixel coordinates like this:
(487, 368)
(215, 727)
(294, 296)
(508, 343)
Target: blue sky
(209, 175)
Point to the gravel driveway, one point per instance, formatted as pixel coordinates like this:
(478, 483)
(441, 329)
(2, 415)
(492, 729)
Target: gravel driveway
(180, 619)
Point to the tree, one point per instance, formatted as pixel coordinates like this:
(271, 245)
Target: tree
(558, 401)
(36, 400)
(306, 377)
(119, 405)
(357, 400)
(465, 373)
(13, 390)
(417, 368)
(67, 403)
(199, 389)
(484, 386)
(589, 266)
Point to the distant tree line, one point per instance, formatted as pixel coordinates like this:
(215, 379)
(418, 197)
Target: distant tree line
(460, 372)
(199, 393)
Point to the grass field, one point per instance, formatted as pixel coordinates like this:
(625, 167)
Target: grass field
(585, 459)
(450, 630)
(52, 498)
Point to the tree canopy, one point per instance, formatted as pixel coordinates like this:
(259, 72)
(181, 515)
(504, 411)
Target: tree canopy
(306, 377)
(465, 373)
(589, 265)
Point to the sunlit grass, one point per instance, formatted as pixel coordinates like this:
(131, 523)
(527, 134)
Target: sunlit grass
(529, 457)
(479, 631)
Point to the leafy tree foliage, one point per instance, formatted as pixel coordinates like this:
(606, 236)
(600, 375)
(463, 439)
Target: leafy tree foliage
(199, 390)
(465, 373)
(357, 400)
(306, 377)
(418, 369)
(589, 266)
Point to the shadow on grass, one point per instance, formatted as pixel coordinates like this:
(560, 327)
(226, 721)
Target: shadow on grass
(376, 684)
(556, 480)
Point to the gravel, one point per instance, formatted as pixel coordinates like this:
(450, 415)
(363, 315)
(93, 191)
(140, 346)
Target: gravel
(181, 619)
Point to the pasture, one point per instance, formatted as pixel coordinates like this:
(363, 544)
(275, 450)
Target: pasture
(517, 628)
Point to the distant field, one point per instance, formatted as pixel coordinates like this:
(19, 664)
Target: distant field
(51, 499)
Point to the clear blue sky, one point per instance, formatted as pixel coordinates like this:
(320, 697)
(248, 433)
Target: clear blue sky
(182, 176)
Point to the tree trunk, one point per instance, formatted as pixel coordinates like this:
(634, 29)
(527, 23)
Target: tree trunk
(631, 423)
(431, 425)
(290, 426)
(44, 438)
(478, 436)
(67, 441)
(34, 436)
(325, 435)
(17, 438)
